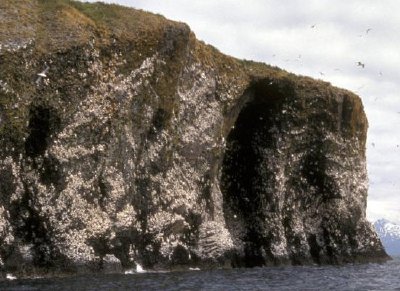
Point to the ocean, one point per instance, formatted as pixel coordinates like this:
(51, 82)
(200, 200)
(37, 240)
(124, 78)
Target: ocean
(384, 276)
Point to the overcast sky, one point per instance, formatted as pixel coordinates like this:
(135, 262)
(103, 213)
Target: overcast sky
(323, 39)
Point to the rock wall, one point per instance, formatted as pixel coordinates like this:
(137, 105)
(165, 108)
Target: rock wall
(124, 141)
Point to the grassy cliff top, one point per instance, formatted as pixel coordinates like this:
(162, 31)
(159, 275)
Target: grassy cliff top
(58, 26)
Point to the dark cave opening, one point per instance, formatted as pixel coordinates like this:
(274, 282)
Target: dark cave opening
(42, 122)
(29, 225)
(245, 177)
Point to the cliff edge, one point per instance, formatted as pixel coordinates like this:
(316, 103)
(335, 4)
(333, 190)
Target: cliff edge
(125, 141)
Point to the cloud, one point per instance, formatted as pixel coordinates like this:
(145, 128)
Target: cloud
(375, 206)
(279, 32)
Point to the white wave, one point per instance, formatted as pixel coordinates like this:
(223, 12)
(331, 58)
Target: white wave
(11, 277)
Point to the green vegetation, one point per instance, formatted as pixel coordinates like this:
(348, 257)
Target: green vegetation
(60, 29)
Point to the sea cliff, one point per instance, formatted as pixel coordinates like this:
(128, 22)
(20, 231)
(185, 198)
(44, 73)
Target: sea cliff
(124, 140)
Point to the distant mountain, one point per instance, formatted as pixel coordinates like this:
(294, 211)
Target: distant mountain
(389, 233)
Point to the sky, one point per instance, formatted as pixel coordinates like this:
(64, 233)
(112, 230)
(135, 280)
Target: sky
(325, 40)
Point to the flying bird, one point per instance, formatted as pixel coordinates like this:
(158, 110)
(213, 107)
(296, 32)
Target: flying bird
(313, 26)
(42, 74)
(368, 30)
(360, 64)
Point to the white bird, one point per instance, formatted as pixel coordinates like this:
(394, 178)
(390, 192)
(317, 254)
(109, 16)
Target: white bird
(42, 74)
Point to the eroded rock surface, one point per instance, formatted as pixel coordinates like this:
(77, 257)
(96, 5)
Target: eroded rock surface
(124, 141)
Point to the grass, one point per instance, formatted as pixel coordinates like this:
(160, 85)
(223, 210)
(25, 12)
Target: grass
(17, 17)
(58, 26)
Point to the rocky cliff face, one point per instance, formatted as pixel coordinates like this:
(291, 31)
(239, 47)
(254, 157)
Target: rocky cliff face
(124, 141)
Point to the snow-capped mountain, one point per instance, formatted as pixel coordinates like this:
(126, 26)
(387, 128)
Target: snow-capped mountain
(389, 233)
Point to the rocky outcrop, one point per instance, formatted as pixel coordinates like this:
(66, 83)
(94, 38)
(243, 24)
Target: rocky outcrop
(124, 141)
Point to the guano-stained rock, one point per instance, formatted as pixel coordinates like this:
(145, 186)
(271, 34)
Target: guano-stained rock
(124, 141)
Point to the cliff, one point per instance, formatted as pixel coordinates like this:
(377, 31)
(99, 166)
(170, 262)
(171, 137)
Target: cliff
(124, 141)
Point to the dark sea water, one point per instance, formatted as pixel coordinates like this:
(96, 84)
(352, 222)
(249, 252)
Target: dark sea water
(350, 277)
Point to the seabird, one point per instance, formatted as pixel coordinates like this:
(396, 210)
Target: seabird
(360, 64)
(368, 30)
(42, 74)
(322, 74)
(313, 26)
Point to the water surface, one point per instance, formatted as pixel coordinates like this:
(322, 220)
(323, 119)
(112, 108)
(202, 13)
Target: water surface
(350, 277)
